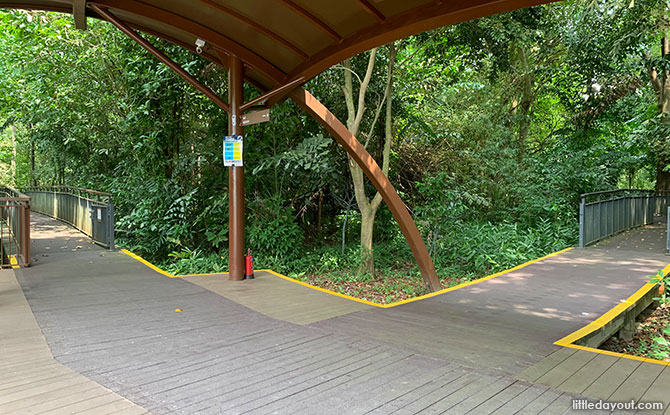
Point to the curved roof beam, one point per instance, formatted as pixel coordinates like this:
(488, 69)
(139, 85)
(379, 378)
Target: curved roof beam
(196, 29)
(417, 20)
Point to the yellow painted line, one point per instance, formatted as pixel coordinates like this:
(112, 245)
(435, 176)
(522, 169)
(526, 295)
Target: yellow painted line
(615, 354)
(348, 297)
(570, 339)
(14, 262)
(423, 297)
(323, 290)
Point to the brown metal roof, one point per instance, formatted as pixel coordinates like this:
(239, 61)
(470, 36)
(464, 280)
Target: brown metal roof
(282, 40)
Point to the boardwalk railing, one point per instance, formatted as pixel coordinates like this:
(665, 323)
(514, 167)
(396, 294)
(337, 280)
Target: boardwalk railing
(603, 214)
(89, 211)
(14, 227)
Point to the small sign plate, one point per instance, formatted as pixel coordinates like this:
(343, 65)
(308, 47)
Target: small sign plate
(232, 150)
(256, 117)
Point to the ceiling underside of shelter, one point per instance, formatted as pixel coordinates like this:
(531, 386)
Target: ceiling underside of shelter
(281, 41)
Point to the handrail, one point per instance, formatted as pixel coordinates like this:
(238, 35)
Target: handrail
(90, 211)
(13, 193)
(14, 227)
(606, 213)
(71, 189)
(616, 191)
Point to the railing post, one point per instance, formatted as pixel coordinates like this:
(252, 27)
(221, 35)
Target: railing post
(582, 208)
(25, 234)
(667, 233)
(110, 223)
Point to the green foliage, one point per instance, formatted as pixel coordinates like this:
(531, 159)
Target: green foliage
(663, 282)
(272, 230)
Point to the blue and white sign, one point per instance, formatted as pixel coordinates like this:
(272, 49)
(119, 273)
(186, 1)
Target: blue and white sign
(233, 150)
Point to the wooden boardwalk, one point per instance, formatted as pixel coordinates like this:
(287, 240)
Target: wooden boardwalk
(238, 348)
(32, 381)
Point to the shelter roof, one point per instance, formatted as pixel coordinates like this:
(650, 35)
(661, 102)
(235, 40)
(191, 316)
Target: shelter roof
(281, 41)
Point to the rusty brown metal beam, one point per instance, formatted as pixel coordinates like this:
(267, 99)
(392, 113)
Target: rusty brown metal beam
(198, 30)
(235, 173)
(372, 10)
(277, 91)
(162, 57)
(79, 13)
(267, 32)
(372, 170)
(416, 20)
(313, 19)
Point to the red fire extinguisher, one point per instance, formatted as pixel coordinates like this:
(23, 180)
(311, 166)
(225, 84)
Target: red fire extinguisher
(248, 265)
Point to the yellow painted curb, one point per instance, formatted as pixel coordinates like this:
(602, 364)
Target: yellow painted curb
(570, 339)
(14, 262)
(348, 297)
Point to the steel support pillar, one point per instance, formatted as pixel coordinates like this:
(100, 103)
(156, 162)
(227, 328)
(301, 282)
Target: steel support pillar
(235, 173)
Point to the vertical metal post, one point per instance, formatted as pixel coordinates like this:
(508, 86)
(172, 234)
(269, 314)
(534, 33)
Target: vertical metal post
(25, 233)
(600, 208)
(235, 173)
(582, 207)
(667, 232)
(110, 223)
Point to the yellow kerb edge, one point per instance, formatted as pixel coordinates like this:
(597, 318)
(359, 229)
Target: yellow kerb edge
(13, 262)
(570, 339)
(348, 297)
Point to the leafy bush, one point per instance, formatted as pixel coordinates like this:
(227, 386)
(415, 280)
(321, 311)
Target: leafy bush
(272, 230)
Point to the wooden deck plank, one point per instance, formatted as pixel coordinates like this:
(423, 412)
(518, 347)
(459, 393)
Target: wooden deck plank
(428, 395)
(484, 395)
(567, 368)
(86, 405)
(32, 380)
(538, 370)
(494, 403)
(658, 391)
(560, 405)
(637, 383)
(462, 394)
(611, 379)
(584, 377)
(517, 403)
(280, 299)
(541, 402)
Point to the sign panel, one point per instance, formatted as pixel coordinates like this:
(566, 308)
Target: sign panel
(256, 117)
(232, 150)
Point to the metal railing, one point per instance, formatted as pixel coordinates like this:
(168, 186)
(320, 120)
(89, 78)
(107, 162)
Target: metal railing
(90, 211)
(14, 227)
(603, 214)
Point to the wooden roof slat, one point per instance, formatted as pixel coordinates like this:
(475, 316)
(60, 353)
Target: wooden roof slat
(315, 20)
(365, 4)
(189, 26)
(256, 26)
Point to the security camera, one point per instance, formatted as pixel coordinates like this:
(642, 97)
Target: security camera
(199, 43)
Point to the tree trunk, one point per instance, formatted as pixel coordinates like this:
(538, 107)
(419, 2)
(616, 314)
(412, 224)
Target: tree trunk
(13, 164)
(661, 87)
(368, 207)
(32, 163)
(367, 232)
